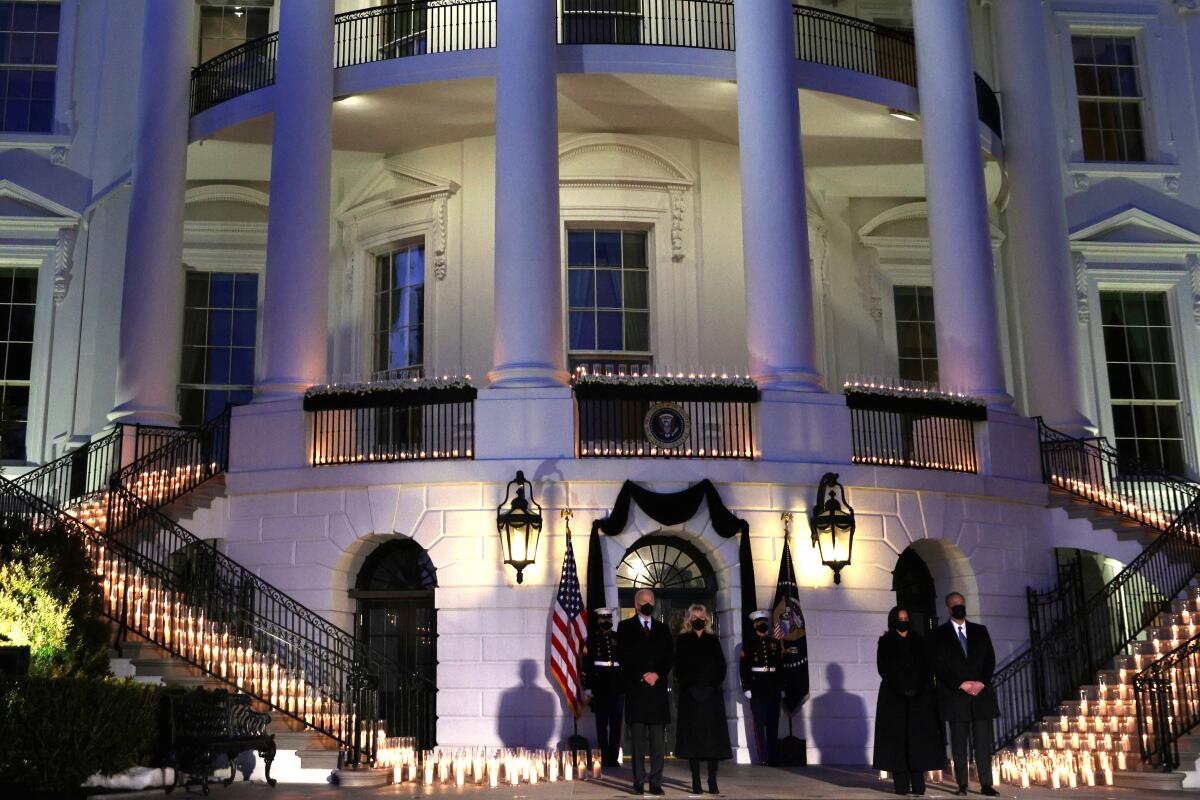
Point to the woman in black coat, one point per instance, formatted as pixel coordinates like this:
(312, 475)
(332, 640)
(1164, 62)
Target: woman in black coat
(702, 731)
(908, 735)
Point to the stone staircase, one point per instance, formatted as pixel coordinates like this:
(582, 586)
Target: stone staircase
(304, 755)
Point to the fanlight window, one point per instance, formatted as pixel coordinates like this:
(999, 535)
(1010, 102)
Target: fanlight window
(664, 566)
(397, 566)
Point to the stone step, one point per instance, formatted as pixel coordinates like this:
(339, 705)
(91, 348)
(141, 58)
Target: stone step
(318, 758)
(1148, 780)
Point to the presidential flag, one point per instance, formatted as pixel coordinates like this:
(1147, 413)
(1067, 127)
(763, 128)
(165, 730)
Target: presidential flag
(789, 630)
(568, 632)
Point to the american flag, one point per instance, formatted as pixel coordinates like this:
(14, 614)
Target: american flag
(568, 632)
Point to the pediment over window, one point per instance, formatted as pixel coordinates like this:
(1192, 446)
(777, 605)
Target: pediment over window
(1133, 229)
(619, 159)
(18, 201)
(390, 183)
(902, 233)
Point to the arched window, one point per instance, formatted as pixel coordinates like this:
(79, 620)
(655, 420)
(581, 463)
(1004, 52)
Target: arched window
(663, 563)
(400, 565)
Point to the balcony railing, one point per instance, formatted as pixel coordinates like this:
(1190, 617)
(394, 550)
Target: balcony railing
(419, 424)
(418, 27)
(413, 29)
(917, 432)
(643, 420)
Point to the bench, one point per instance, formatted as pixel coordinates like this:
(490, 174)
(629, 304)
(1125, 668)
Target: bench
(205, 724)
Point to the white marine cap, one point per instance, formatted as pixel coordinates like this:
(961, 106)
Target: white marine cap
(605, 612)
(760, 614)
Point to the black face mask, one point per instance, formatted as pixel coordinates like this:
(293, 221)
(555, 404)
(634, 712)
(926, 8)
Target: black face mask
(698, 624)
(761, 627)
(605, 624)
(902, 626)
(959, 611)
(646, 608)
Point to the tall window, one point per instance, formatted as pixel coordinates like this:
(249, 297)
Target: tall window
(28, 59)
(608, 298)
(1108, 81)
(400, 312)
(220, 322)
(225, 24)
(1142, 379)
(916, 333)
(18, 291)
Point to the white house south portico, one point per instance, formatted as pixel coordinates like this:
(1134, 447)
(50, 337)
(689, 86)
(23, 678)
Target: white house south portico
(339, 271)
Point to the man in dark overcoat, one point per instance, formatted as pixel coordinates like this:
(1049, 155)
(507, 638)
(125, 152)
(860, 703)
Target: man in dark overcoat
(646, 650)
(605, 686)
(963, 663)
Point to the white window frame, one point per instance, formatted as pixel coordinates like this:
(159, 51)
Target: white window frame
(616, 224)
(373, 253)
(1176, 284)
(1144, 29)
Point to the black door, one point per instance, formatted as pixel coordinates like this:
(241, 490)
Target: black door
(679, 575)
(397, 623)
(913, 584)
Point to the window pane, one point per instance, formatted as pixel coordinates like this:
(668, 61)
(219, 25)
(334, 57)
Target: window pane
(245, 293)
(581, 288)
(1119, 383)
(218, 366)
(637, 331)
(583, 330)
(906, 303)
(21, 325)
(220, 328)
(241, 367)
(908, 339)
(637, 293)
(196, 290)
(192, 366)
(1115, 347)
(580, 249)
(608, 288)
(219, 342)
(24, 286)
(635, 249)
(608, 248)
(195, 327)
(609, 330)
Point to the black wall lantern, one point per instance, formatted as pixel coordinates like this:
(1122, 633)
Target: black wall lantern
(832, 522)
(519, 527)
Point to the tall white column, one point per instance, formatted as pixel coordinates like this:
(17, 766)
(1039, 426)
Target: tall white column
(152, 293)
(296, 298)
(964, 298)
(1037, 222)
(528, 348)
(780, 330)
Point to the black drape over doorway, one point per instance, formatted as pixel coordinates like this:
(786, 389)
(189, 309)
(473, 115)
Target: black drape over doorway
(672, 508)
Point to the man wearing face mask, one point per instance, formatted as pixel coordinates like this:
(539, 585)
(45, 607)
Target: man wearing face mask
(602, 681)
(761, 660)
(645, 649)
(963, 663)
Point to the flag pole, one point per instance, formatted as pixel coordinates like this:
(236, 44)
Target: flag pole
(574, 741)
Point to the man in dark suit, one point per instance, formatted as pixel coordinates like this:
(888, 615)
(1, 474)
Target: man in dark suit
(963, 663)
(646, 650)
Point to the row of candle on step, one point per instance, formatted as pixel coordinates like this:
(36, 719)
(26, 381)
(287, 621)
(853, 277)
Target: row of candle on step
(135, 600)
(482, 765)
(1056, 769)
(1110, 499)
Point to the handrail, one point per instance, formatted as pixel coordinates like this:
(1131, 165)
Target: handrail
(418, 27)
(235, 72)
(80, 473)
(1093, 470)
(1168, 702)
(1039, 677)
(1062, 600)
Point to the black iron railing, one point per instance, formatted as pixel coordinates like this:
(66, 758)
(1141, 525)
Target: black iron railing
(413, 28)
(82, 473)
(402, 425)
(1037, 679)
(1093, 470)
(913, 432)
(673, 23)
(1168, 696)
(646, 421)
(837, 40)
(1063, 600)
(235, 72)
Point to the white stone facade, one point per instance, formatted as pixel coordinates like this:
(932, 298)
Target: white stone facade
(642, 138)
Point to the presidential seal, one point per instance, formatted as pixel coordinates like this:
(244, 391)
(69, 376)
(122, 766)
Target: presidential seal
(667, 425)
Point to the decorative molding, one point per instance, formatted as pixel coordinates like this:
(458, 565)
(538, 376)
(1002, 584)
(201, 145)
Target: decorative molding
(58, 154)
(64, 250)
(1081, 181)
(628, 146)
(1171, 183)
(440, 210)
(1163, 239)
(226, 193)
(350, 247)
(678, 209)
(1082, 304)
(1185, 7)
(15, 191)
(1193, 265)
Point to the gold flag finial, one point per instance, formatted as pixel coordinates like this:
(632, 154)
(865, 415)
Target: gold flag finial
(566, 515)
(787, 522)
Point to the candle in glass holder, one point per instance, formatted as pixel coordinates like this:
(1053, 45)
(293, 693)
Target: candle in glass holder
(552, 768)
(1108, 778)
(428, 769)
(568, 762)
(494, 771)
(883, 775)
(596, 766)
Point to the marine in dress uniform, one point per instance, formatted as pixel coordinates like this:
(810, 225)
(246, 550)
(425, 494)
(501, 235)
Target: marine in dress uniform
(604, 686)
(761, 662)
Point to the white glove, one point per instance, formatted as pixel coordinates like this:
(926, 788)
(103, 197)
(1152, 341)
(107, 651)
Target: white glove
(747, 694)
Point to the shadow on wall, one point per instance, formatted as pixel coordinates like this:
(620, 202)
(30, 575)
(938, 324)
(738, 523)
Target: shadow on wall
(838, 722)
(526, 714)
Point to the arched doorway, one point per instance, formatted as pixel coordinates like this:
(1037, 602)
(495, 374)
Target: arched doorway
(913, 584)
(396, 618)
(679, 575)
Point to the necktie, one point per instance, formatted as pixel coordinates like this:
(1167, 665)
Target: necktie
(646, 625)
(962, 639)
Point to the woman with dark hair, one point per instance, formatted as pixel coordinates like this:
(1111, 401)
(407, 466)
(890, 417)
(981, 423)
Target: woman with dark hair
(908, 736)
(702, 732)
